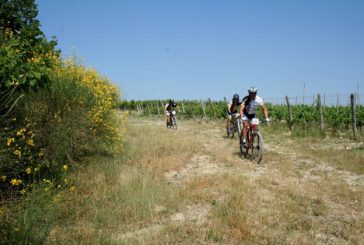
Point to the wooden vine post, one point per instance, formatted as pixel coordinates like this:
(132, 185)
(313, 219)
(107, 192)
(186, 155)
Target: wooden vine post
(290, 120)
(212, 108)
(321, 112)
(203, 106)
(353, 114)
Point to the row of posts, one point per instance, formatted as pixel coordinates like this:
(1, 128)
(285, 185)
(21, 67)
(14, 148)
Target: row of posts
(304, 100)
(160, 109)
(353, 100)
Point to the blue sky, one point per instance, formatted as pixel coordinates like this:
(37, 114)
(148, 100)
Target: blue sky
(197, 49)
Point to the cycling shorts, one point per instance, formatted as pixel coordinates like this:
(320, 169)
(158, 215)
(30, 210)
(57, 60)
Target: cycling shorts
(248, 117)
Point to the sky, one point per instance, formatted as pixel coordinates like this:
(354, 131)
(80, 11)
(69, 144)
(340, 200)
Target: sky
(199, 49)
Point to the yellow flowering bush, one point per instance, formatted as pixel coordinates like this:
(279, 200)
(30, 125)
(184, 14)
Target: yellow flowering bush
(105, 124)
(75, 115)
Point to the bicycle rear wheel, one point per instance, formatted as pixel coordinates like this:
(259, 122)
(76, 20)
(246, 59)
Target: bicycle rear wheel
(242, 148)
(174, 123)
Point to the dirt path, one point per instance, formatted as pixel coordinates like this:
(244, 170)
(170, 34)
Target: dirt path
(283, 170)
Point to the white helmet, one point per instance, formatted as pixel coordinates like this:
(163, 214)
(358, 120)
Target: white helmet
(252, 89)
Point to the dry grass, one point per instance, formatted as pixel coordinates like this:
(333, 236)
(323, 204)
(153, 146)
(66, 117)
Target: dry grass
(191, 187)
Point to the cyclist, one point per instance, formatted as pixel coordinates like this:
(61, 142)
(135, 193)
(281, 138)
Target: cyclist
(249, 105)
(232, 111)
(168, 108)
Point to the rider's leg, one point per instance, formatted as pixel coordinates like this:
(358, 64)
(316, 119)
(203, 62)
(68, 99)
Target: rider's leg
(228, 121)
(168, 118)
(245, 130)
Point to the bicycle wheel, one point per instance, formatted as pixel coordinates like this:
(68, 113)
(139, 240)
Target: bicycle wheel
(230, 132)
(248, 145)
(242, 148)
(174, 123)
(257, 148)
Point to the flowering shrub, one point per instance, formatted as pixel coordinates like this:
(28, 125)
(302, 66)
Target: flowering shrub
(102, 115)
(51, 127)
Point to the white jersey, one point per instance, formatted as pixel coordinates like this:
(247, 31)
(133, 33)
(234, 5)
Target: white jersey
(251, 106)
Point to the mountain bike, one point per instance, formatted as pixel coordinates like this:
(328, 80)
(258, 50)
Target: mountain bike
(173, 123)
(235, 127)
(254, 148)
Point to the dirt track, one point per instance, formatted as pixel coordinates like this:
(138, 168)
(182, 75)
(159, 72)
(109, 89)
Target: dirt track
(282, 170)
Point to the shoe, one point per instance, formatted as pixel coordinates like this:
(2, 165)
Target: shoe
(244, 143)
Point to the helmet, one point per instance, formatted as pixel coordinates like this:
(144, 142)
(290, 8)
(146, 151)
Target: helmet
(252, 89)
(171, 101)
(236, 97)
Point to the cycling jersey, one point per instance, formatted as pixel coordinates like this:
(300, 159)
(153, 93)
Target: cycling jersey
(170, 107)
(251, 106)
(233, 107)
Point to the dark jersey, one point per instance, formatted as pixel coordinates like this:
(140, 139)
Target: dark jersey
(170, 107)
(233, 107)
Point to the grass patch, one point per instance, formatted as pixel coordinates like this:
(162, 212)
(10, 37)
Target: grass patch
(248, 216)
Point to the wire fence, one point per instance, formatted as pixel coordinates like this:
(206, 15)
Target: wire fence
(327, 100)
(334, 112)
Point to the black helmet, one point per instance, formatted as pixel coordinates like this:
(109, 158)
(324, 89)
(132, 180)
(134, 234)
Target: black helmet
(171, 101)
(236, 97)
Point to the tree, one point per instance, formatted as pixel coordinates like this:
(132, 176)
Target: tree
(26, 56)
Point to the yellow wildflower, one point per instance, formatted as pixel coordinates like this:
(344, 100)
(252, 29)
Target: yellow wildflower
(30, 142)
(47, 181)
(23, 191)
(15, 182)
(17, 153)
(9, 141)
(20, 132)
(72, 188)
(66, 180)
(65, 167)
(28, 170)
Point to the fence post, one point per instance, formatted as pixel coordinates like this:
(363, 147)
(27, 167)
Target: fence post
(148, 109)
(353, 114)
(156, 104)
(337, 103)
(212, 107)
(183, 108)
(203, 108)
(321, 113)
(290, 122)
(162, 106)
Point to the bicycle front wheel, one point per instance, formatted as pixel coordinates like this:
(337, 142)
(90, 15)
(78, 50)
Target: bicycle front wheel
(257, 148)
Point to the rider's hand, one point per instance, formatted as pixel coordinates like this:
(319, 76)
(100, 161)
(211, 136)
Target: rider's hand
(267, 120)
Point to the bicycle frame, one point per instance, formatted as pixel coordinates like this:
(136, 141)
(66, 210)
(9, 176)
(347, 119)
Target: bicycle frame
(253, 128)
(253, 149)
(235, 127)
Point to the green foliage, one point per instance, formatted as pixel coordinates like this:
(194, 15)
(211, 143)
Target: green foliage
(25, 54)
(335, 117)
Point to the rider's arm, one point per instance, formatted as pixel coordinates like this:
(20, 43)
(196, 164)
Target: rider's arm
(265, 111)
(242, 107)
(228, 107)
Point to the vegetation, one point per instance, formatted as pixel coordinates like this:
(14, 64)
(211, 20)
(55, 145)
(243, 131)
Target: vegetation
(304, 116)
(53, 113)
(191, 186)
(63, 179)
